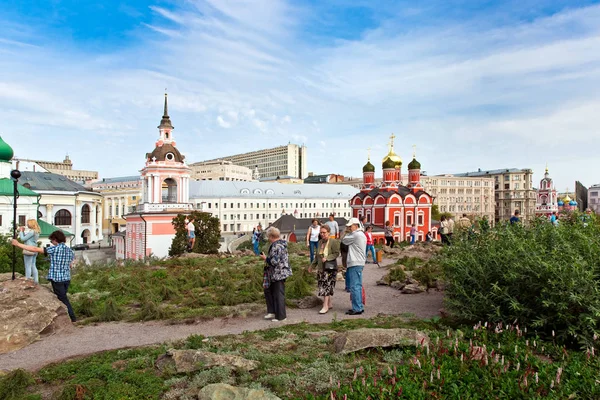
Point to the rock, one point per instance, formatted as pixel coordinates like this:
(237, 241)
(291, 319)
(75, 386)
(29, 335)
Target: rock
(308, 302)
(413, 288)
(398, 285)
(193, 255)
(358, 339)
(28, 311)
(194, 360)
(411, 281)
(389, 250)
(382, 282)
(222, 391)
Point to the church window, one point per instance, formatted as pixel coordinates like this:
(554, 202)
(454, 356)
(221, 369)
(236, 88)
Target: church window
(397, 220)
(62, 217)
(170, 156)
(409, 219)
(22, 220)
(85, 214)
(420, 219)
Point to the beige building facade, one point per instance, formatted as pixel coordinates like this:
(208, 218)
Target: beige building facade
(594, 198)
(120, 196)
(64, 168)
(513, 190)
(282, 161)
(220, 170)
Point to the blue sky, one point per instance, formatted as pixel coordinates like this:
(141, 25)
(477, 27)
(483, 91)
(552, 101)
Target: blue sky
(473, 84)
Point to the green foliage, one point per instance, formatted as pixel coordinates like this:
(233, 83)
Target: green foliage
(111, 311)
(6, 256)
(428, 274)
(14, 384)
(410, 262)
(208, 233)
(435, 212)
(397, 274)
(542, 276)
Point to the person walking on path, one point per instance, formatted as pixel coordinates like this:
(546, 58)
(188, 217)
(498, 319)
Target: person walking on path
(515, 218)
(464, 223)
(357, 247)
(444, 230)
(326, 264)
(333, 226)
(450, 229)
(312, 238)
(191, 229)
(413, 234)
(370, 245)
(277, 270)
(388, 232)
(29, 257)
(59, 274)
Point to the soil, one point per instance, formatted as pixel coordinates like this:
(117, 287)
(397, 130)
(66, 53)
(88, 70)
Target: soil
(89, 339)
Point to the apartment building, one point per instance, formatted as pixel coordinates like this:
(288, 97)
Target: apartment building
(288, 160)
(64, 168)
(120, 196)
(220, 170)
(593, 199)
(240, 206)
(513, 190)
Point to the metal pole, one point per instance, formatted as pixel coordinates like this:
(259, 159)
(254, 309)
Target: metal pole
(15, 175)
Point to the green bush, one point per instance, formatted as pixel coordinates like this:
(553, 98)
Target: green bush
(542, 276)
(14, 384)
(208, 233)
(397, 274)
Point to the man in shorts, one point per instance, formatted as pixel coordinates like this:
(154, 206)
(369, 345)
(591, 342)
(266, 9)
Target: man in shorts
(191, 229)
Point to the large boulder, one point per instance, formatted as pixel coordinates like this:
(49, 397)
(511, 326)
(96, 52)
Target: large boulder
(364, 338)
(413, 288)
(222, 391)
(194, 360)
(28, 311)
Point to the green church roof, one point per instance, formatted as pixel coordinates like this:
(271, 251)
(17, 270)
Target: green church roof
(369, 167)
(6, 152)
(47, 229)
(7, 188)
(414, 164)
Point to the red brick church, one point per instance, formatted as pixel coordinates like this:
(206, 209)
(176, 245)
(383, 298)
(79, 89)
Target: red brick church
(393, 201)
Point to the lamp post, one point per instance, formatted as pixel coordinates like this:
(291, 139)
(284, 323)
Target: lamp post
(15, 174)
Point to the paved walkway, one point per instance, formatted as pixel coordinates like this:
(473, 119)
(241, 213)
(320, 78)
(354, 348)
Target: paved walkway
(91, 339)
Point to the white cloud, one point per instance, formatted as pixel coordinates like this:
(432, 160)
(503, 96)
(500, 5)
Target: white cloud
(222, 123)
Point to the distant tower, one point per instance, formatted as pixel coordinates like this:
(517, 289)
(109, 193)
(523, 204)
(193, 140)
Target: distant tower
(166, 176)
(391, 165)
(414, 173)
(546, 199)
(368, 174)
(255, 173)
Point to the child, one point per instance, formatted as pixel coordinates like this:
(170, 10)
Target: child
(370, 244)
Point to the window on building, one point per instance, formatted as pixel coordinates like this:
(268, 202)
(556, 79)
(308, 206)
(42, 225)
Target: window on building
(224, 205)
(238, 205)
(22, 220)
(245, 206)
(396, 220)
(0, 220)
(409, 219)
(85, 214)
(224, 227)
(245, 217)
(62, 218)
(257, 216)
(420, 219)
(209, 205)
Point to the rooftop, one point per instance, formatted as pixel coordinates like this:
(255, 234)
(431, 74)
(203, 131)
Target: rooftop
(49, 181)
(202, 189)
(119, 179)
(494, 172)
(7, 188)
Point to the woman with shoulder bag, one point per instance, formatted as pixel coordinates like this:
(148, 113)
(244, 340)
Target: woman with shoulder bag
(29, 257)
(328, 250)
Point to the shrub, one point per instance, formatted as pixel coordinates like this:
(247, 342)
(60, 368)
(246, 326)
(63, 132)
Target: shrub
(14, 384)
(543, 276)
(397, 274)
(428, 274)
(208, 234)
(111, 311)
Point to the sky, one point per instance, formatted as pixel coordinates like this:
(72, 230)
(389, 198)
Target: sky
(472, 84)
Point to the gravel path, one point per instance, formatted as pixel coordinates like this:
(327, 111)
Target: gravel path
(91, 339)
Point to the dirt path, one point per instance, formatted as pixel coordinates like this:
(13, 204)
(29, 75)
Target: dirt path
(109, 336)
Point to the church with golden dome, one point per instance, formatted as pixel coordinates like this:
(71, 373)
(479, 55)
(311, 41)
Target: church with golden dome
(393, 200)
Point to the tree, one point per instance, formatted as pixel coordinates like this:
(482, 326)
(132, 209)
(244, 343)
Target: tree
(208, 234)
(435, 212)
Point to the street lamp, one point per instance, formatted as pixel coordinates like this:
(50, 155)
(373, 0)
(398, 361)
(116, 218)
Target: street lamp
(15, 174)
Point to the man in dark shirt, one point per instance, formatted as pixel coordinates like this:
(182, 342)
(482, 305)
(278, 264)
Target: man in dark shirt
(515, 218)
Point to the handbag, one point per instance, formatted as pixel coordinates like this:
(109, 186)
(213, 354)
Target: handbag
(330, 265)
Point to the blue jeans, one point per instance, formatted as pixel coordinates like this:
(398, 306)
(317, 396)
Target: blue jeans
(30, 268)
(372, 248)
(354, 282)
(256, 247)
(313, 248)
(412, 239)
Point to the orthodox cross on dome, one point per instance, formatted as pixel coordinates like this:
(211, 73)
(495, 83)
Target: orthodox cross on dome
(392, 137)
(368, 154)
(414, 146)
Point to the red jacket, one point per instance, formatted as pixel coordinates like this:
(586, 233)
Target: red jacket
(369, 236)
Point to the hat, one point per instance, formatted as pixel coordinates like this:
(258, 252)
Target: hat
(353, 221)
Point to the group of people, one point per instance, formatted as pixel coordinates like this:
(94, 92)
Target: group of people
(61, 259)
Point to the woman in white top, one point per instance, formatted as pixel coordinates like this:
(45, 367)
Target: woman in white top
(312, 238)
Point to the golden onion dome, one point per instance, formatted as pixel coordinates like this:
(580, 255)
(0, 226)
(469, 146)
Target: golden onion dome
(391, 160)
(567, 199)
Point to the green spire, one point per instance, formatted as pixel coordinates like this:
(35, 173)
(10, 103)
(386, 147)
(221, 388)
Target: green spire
(6, 152)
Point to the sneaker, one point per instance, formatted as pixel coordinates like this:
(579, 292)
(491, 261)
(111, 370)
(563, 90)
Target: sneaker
(269, 316)
(278, 320)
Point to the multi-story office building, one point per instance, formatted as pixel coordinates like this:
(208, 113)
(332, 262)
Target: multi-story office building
(240, 206)
(288, 160)
(220, 170)
(513, 189)
(473, 196)
(64, 168)
(593, 200)
(120, 196)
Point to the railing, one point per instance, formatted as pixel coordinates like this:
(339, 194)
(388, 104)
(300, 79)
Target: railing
(169, 199)
(147, 207)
